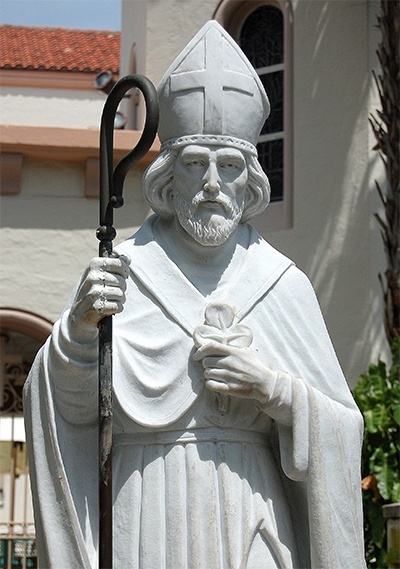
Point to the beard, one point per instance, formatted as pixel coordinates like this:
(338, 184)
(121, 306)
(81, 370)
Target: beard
(214, 230)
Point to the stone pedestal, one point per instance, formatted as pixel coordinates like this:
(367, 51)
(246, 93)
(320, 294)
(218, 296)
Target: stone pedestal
(391, 513)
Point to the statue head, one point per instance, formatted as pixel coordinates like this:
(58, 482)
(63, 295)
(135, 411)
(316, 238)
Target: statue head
(212, 109)
(161, 192)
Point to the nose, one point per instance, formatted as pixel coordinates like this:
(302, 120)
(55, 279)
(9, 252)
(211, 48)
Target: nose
(211, 181)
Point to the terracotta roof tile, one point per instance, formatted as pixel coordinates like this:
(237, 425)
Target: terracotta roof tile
(59, 49)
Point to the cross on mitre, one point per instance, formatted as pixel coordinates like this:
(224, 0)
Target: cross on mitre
(213, 80)
(211, 90)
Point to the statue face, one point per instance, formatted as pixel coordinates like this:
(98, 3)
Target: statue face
(209, 188)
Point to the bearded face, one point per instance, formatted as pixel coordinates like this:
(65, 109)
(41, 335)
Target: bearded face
(213, 229)
(209, 188)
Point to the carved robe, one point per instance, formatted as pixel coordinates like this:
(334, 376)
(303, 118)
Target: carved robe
(200, 480)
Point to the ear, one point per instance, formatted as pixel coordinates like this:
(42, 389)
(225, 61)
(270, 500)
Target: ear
(251, 204)
(169, 193)
(167, 197)
(249, 198)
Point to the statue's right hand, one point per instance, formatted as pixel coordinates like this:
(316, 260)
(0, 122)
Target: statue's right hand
(102, 292)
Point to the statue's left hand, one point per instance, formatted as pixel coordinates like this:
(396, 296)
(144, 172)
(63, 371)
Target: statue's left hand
(236, 371)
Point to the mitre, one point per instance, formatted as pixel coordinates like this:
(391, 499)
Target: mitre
(211, 94)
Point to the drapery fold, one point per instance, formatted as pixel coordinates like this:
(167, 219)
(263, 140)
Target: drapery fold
(313, 461)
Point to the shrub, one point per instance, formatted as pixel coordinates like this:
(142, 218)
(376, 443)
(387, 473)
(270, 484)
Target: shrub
(377, 394)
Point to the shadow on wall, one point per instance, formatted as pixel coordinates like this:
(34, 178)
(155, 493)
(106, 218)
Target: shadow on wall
(330, 239)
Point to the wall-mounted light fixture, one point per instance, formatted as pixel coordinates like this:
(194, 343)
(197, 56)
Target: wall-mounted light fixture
(104, 81)
(119, 120)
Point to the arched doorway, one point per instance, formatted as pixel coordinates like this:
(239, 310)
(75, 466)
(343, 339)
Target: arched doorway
(21, 336)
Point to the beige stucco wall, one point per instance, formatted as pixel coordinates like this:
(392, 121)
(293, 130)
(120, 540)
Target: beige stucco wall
(47, 232)
(51, 107)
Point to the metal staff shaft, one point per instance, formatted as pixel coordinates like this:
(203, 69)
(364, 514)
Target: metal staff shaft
(111, 186)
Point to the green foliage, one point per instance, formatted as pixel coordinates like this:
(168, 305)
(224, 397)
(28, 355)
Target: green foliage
(377, 394)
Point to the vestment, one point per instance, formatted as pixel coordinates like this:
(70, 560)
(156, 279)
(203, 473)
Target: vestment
(170, 432)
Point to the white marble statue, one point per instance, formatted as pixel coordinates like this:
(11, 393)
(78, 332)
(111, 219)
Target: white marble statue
(236, 439)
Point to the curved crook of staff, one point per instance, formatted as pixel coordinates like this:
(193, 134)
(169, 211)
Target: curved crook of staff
(111, 187)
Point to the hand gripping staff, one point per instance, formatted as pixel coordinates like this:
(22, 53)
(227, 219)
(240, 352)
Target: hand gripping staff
(111, 186)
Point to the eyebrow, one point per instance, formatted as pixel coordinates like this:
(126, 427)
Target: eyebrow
(231, 155)
(194, 155)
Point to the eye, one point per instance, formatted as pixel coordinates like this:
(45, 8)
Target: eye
(194, 164)
(229, 166)
(232, 167)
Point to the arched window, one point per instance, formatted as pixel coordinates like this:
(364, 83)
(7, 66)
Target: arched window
(263, 29)
(261, 39)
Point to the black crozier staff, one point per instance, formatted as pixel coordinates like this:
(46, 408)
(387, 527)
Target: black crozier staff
(111, 186)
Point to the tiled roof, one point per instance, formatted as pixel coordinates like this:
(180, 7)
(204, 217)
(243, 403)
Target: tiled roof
(59, 49)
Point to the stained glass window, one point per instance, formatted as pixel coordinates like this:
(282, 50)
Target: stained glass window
(262, 40)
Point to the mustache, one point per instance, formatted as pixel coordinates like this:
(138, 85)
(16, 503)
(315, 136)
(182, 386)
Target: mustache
(220, 199)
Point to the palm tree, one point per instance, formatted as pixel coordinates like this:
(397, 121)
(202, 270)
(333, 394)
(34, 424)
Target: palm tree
(386, 127)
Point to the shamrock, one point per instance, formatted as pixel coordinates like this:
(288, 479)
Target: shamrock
(219, 327)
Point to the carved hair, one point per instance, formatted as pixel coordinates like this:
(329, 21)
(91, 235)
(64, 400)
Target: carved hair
(158, 185)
